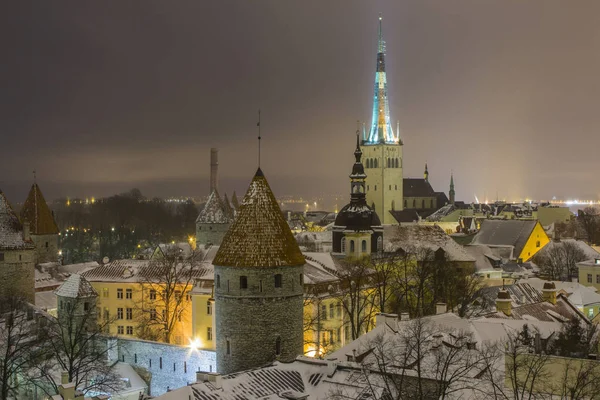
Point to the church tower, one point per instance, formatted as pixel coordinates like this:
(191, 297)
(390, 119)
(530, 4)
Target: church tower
(259, 285)
(357, 231)
(383, 149)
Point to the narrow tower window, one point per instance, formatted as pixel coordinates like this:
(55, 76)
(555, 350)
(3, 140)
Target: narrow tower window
(343, 245)
(278, 280)
(364, 246)
(278, 346)
(243, 282)
(352, 246)
(228, 347)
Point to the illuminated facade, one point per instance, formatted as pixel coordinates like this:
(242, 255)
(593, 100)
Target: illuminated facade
(382, 148)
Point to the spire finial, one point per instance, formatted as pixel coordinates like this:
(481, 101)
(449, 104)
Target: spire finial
(258, 124)
(34, 177)
(381, 47)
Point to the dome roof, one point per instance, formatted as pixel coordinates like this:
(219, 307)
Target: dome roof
(358, 217)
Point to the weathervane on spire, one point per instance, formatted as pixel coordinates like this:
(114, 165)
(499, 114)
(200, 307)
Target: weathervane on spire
(258, 124)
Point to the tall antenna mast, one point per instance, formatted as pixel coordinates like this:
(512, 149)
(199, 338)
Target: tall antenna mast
(258, 124)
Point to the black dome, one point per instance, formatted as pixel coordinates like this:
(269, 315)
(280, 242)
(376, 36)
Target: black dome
(358, 217)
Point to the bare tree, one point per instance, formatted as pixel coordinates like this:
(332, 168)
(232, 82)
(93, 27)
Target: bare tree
(165, 285)
(589, 218)
(312, 323)
(355, 292)
(559, 260)
(18, 340)
(75, 343)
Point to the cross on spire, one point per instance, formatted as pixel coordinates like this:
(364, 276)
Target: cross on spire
(258, 124)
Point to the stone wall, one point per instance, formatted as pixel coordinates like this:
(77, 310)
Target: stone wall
(17, 274)
(46, 248)
(170, 366)
(252, 320)
(210, 233)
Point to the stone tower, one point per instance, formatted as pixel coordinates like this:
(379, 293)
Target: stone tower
(258, 286)
(383, 149)
(44, 231)
(17, 255)
(357, 231)
(213, 221)
(452, 193)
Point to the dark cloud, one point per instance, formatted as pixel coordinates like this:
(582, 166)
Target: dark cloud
(103, 96)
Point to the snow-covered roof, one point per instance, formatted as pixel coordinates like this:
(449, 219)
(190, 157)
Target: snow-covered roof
(410, 237)
(76, 286)
(505, 233)
(11, 231)
(214, 211)
(129, 270)
(50, 275)
(259, 236)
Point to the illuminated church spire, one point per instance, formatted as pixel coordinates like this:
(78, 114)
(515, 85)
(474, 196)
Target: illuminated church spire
(381, 127)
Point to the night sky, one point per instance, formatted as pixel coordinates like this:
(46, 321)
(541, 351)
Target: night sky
(103, 97)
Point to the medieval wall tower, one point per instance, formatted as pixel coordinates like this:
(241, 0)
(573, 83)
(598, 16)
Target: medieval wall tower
(44, 231)
(382, 149)
(258, 286)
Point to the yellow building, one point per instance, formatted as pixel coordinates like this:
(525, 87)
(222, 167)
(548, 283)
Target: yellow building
(589, 273)
(134, 296)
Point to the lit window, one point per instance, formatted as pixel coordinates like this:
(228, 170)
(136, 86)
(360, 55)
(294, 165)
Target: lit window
(104, 292)
(209, 333)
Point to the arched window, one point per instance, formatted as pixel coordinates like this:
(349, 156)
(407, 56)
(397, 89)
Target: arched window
(278, 346)
(364, 246)
(343, 245)
(376, 166)
(396, 163)
(278, 280)
(243, 282)
(352, 246)
(388, 162)
(379, 243)
(218, 281)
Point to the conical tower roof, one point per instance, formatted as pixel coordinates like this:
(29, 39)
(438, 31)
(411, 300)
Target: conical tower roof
(214, 211)
(234, 201)
(11, 231)
(36, 212)
(260, 236)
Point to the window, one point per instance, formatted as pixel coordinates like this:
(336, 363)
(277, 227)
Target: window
(301, 280)
(1, 256)
(228, 285)
(405, 204)
(597, 278)
(414, 203)
(590, 313)
(331, 337)
(338, 306)
(119, 313)
(106, 313)
(423, 203)
(177, 295)
(209, 333)
(105, 292)
(397, 163)
(208, 308)
(324, 338)
(46, 244)
(260, 285)
(352, 246)
(324, 312)
(376, 166)
(364, 246)
(278, 346)
(331, 310)
(339, 335)
(152, 294)
(347, 333)
(278, 280)
(119, 293)
(153, 314)
(589, 278)
(86, 306)
(343, 245)
(130, 330)
(243, 282)
(228, 344)
(20, 257)
(375, 187)
(129, 313)
(218, 282)
(128, 293)
(120, 330)
(379, 243)
(390, 187)
(537, 244)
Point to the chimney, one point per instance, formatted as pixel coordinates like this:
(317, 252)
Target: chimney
(64, 377)
(214, 169)
(404, 316)
(549, 292)
(504, 302)
(26, 230)
(382, 318)
(215, 379)
(441, 308)
(201, 376)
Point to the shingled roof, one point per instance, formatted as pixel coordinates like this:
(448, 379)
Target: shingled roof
(76, 286)
(11, 231)
(36, 212)
(417, 187)
(214, 211)
(260, 236)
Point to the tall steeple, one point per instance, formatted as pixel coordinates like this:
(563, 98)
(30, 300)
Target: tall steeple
(426, 173)
(451, 193)
(381, 128)
(357, 178)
